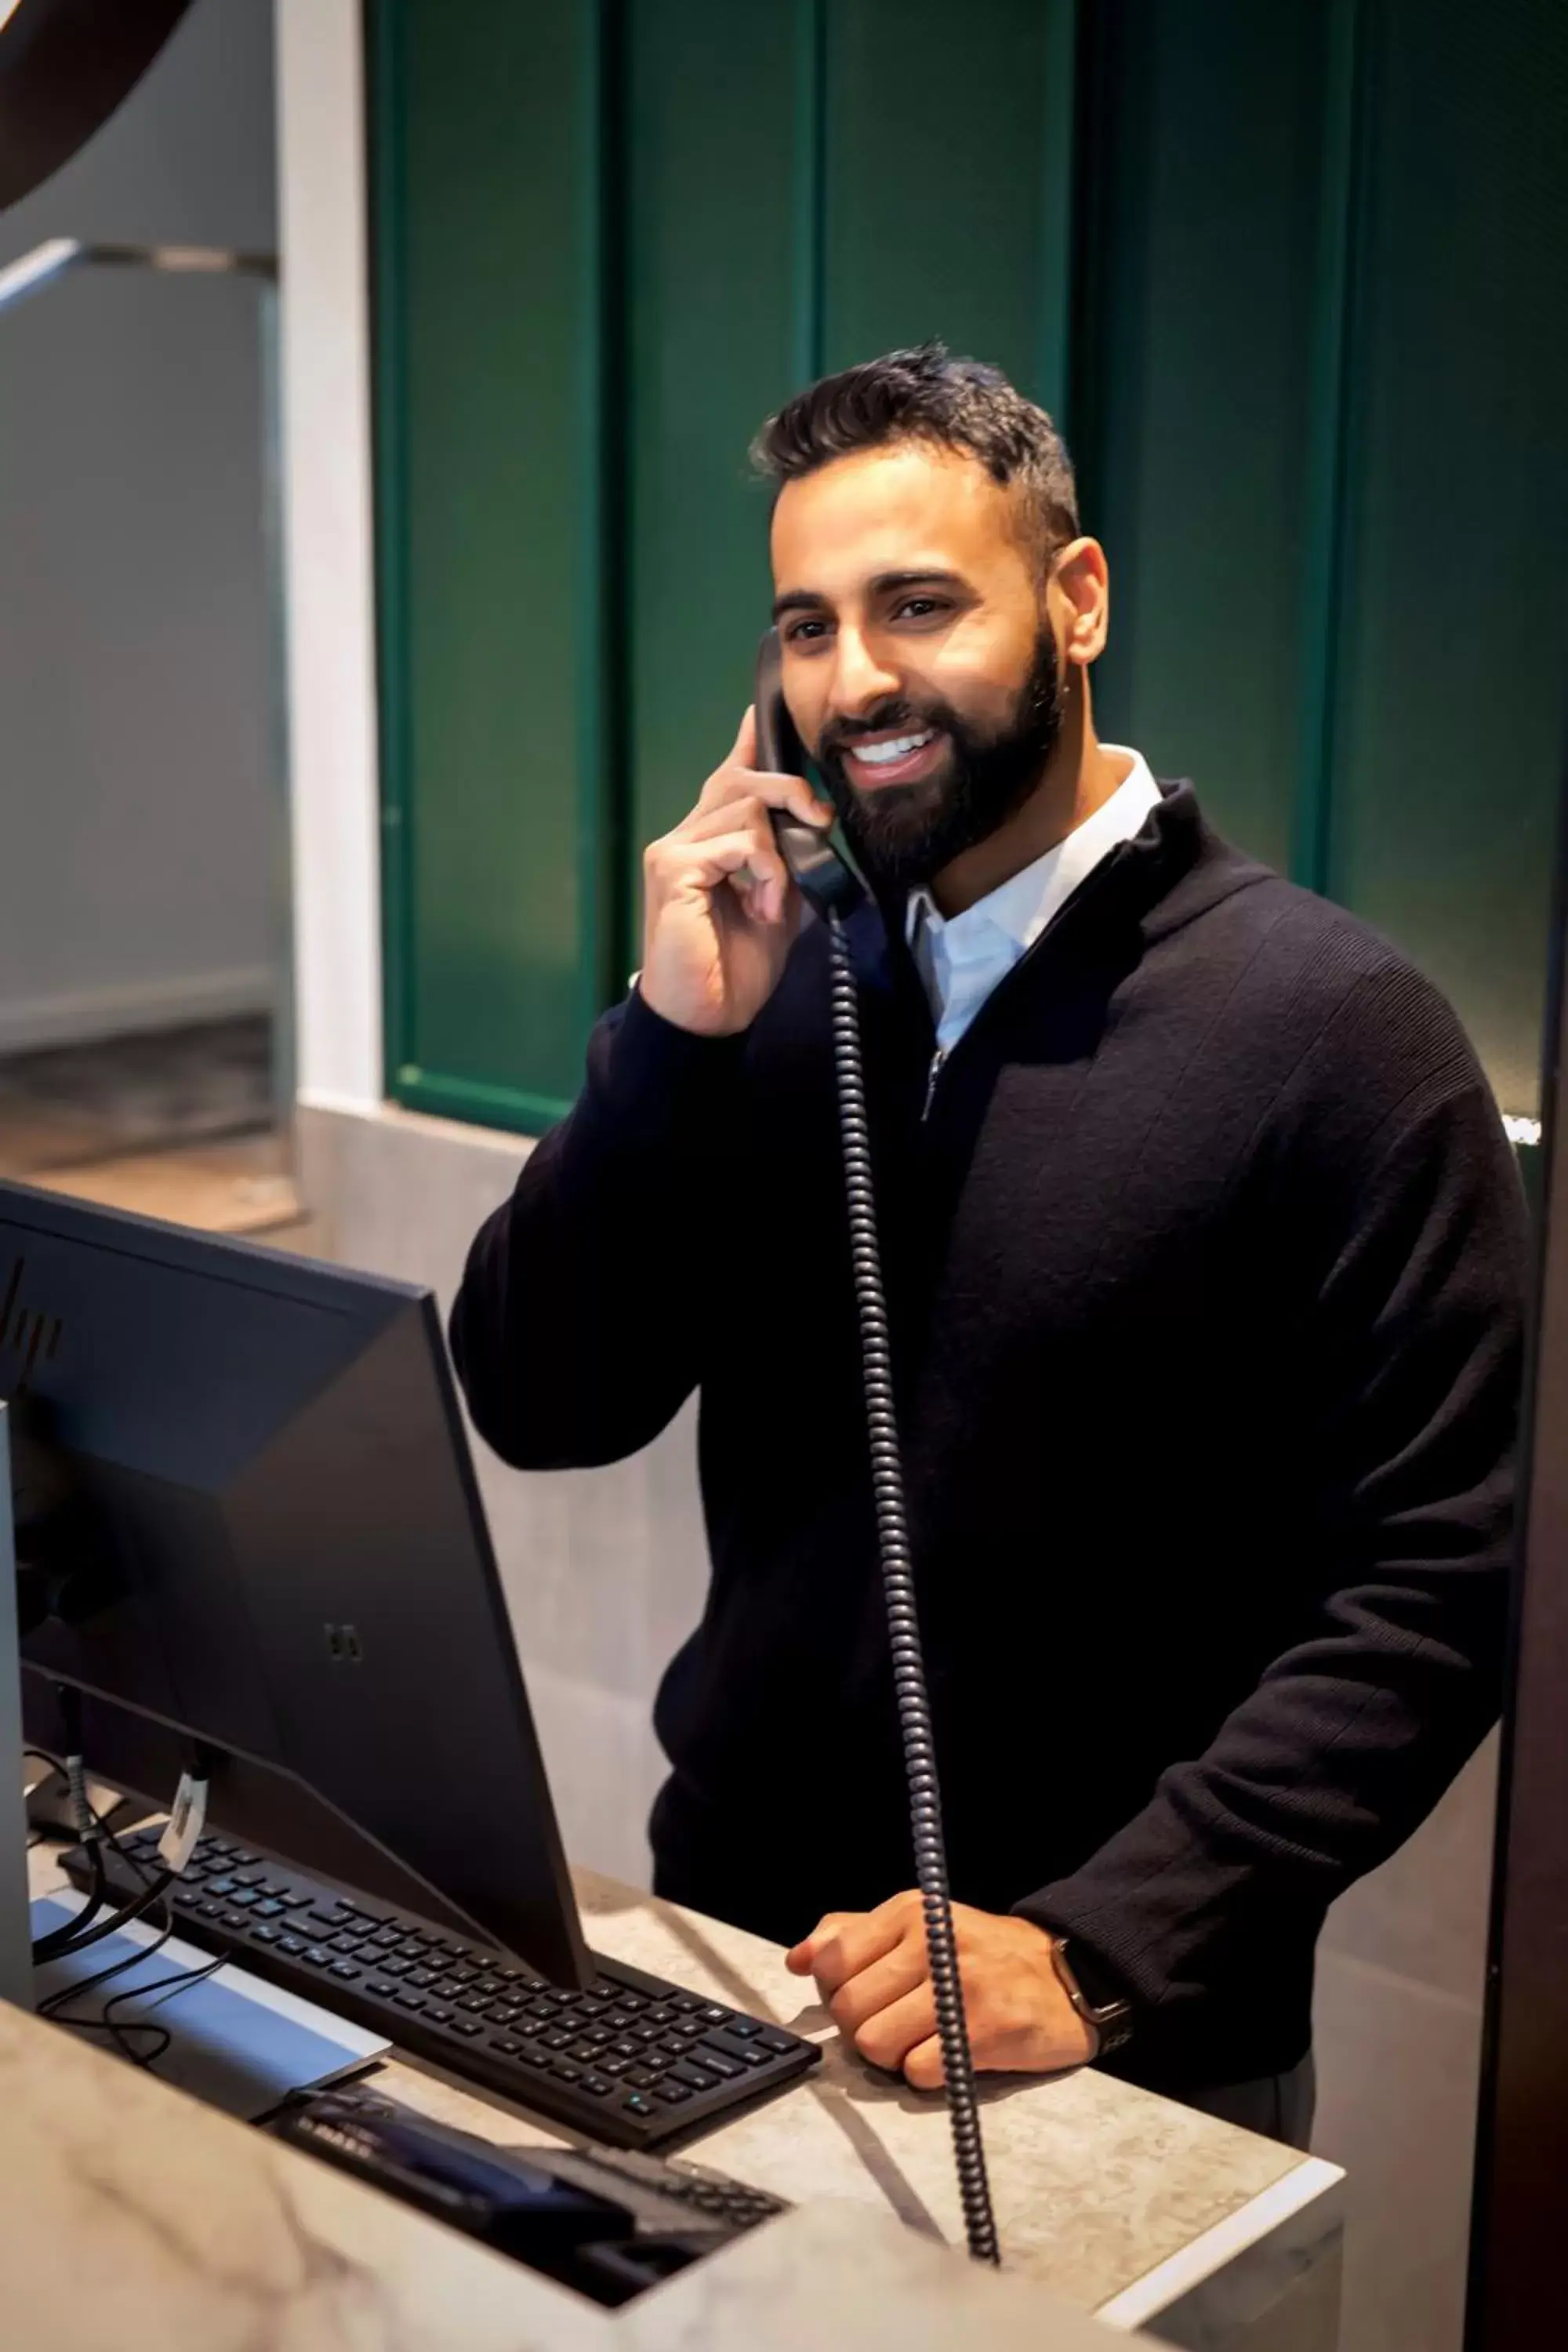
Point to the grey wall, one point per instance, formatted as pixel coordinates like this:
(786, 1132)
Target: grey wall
(137, 832)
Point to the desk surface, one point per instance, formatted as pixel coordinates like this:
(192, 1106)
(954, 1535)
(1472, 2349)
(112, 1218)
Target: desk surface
(1120, 2202)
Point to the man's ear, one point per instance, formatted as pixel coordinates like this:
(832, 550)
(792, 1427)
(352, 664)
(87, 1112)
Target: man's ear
(1080, 599)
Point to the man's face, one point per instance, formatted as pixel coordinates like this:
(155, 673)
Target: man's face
(919, 661)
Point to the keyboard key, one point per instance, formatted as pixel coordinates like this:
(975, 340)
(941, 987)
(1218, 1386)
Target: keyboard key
(406, 1999)
(671, 2094)
(772, 2040)
(269, 1907)
(642, 2076)
(586, 2053)
(293, 1902)
(535, 2053)
(626, 2048)
(716, 2063)
(467, 2025)
(742, 2029)
(713, 2015)
(315, 1957)
(421, 1977)
(237, 1855)
(346, 1944)
(220, 1886)
(596, 2087)
(243, 1896)
(290, 1944)
(724, 2040)
(472, 2002)
(613, 2066)
(698, 2076)
(246, 1877)
(264, 1933)
(346, 1969)
(506, 2043)
(503, 2012)
(389, 1937)
(394, 1967)
(565, 2070)
(637, 2106)
(685, 2003)
(437, 2015)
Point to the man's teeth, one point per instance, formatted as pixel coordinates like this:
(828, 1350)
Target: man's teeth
(882, 755)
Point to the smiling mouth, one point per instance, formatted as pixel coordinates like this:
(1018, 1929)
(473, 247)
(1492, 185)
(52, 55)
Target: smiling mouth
(894, 759)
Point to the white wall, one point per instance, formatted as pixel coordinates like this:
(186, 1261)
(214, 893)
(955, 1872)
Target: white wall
(328, 538)
(138, 828)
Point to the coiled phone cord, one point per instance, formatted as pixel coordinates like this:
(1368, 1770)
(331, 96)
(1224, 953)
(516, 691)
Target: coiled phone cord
(903, 1625)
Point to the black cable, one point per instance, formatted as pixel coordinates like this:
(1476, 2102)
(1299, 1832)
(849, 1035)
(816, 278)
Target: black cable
(60, 1939)
(167, 1988)
(55, 2006)
(903, 1624)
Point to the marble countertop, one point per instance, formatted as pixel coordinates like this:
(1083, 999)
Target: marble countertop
(1108, 2200)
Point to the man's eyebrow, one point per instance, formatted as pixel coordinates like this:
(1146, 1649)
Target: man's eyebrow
(799, 600)
(885, 584)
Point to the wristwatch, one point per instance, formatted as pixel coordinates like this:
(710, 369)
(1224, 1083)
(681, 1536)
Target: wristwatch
(1106, 2013)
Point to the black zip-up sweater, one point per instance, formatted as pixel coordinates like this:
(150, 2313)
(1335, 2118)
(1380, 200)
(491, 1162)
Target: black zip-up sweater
(1205, 1264)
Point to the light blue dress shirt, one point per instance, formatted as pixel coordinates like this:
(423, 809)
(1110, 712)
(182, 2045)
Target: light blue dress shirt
(961, 957)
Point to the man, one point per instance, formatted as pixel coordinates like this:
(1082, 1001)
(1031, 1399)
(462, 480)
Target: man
(1205, 1253)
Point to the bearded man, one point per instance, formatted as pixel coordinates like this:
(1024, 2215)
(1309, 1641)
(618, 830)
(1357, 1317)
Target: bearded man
(1205, 1257)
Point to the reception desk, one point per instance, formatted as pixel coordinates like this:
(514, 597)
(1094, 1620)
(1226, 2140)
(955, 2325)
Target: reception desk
(130, 2216)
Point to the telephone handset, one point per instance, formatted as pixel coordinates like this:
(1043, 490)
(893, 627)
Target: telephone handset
(825, 881)
(831, 888)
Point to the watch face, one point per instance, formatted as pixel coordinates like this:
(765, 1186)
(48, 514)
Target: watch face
(1107, 2003)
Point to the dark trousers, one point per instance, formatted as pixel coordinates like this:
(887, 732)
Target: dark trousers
(1278, 2106)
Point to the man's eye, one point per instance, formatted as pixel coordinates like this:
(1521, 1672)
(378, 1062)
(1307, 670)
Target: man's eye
(799, 631)
(919, 608)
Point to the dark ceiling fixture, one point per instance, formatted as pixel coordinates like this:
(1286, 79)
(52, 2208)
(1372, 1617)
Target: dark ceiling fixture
(65, 65)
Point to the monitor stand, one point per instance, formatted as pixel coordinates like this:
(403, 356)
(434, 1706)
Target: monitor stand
(15, 1934)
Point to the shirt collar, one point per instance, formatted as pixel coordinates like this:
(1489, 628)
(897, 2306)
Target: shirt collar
(1021, 906)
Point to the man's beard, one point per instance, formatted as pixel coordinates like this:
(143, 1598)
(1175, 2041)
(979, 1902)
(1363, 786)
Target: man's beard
(904, 834)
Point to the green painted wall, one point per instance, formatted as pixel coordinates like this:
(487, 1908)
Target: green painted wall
(1292, 273)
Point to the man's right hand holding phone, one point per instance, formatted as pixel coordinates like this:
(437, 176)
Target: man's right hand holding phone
(722, 912)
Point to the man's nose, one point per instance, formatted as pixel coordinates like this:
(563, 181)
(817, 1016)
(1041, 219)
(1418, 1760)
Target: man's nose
(860, 678)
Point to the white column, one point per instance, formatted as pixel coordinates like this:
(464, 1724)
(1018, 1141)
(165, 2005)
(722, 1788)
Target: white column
(328, 552)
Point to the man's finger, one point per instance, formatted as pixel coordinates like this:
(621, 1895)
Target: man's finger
(880, 1986)
(888, 2038)
(839, 1949)
(733, 783)
(743, 750)
(798, 1959)
(923, 2067)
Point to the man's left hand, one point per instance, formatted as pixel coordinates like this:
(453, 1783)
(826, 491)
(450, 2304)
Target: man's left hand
(872, 1971)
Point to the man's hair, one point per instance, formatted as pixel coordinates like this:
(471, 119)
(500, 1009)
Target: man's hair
(925, 394)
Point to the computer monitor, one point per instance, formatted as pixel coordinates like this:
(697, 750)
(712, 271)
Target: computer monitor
(243, 1489)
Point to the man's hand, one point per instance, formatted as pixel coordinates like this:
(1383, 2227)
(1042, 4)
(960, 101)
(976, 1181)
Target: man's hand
(872, 1971)
(721, 910)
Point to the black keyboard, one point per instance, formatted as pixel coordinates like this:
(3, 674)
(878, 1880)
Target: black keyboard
(631, 2062)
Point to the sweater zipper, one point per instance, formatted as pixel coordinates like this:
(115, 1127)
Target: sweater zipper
(932, 1074)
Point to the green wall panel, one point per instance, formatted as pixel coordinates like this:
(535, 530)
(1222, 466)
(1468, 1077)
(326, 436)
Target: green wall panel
(1291, 273)
(488, 227)
(1454, 617)
(1191, 405)
(947, 159)
(720, 165)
